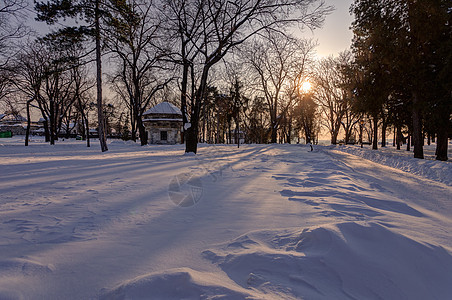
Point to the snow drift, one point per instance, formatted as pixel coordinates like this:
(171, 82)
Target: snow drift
(334, 261)
(273, 222)
(183, 283)
(431, 169)
(337, 261)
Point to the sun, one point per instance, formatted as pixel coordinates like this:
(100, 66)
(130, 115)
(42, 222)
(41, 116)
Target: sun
(306, 86)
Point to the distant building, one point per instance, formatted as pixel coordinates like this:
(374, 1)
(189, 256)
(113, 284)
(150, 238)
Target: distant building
(12, 119)
(163, 124)
(16, 124)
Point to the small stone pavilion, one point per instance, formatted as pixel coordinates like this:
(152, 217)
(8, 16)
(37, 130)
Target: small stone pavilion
(163, 124)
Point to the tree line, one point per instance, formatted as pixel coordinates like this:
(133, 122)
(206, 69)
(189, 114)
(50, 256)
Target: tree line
(234, 69)
(403, 54)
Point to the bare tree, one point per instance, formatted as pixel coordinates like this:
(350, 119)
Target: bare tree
(82, 84)
(141, 74)
(6, 87)
(43, 75)
(28, 76)
(12, 28)
(183, 23)
(210, 29)
(331, 95)
(279, 64)
(306, 117)
(55, 99)
(347, 78)
(92, 13)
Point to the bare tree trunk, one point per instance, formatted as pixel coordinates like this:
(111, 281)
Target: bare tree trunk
(184, 83)
(217, 138)
(142, 132)
(83, 128)
(375, 137)
(133, 125)
(417, 129)
(88, 143)
(399, 137)
(52, 123)
(384, 127)
(307, 135)
(442, 144)
(334, 138)
(27, 133)
(191, 133)
(237, 127)
(274, 123)
(224, 134)
(408, 142)
(370, 133)
(274, 133)
(203, 126)
(191, 137)
(85, 125)
(394, 137)
(289, 133)
(46, 130)
(100, 113)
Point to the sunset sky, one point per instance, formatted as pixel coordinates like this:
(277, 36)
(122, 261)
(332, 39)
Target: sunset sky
(335, 36)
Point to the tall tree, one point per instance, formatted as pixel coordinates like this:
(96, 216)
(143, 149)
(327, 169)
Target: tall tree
(256, 121)
(306, 117)
(375, 31)
(213, 27)
(29, 67)
(429, 33)
(82, 85)
(403, 46)
(91, 13)
(12, 28)
(55, 98)
(279, 63)
(135, 43)
(347, 79)
(331, 94)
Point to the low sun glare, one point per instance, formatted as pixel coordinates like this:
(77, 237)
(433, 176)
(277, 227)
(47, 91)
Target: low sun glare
(306, 86)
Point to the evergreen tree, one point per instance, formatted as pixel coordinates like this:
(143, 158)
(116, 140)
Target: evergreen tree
(91, 14)
(403, 47)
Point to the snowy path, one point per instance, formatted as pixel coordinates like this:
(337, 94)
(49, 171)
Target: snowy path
(271, 222)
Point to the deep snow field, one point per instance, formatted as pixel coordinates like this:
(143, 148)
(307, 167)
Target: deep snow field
(259, 222)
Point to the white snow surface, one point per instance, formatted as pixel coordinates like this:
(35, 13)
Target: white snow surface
(258, 222)
(164, 108)
(403, 160)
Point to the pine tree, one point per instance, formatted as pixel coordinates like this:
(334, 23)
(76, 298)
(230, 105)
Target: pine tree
(90, 12)
(402, 47)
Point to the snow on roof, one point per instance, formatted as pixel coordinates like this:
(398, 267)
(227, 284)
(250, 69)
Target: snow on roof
(164, 108)
(162, 119)
(12, 118)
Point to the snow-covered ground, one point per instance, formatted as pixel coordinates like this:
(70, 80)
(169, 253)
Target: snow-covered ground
(259, 222)
(403, 160)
